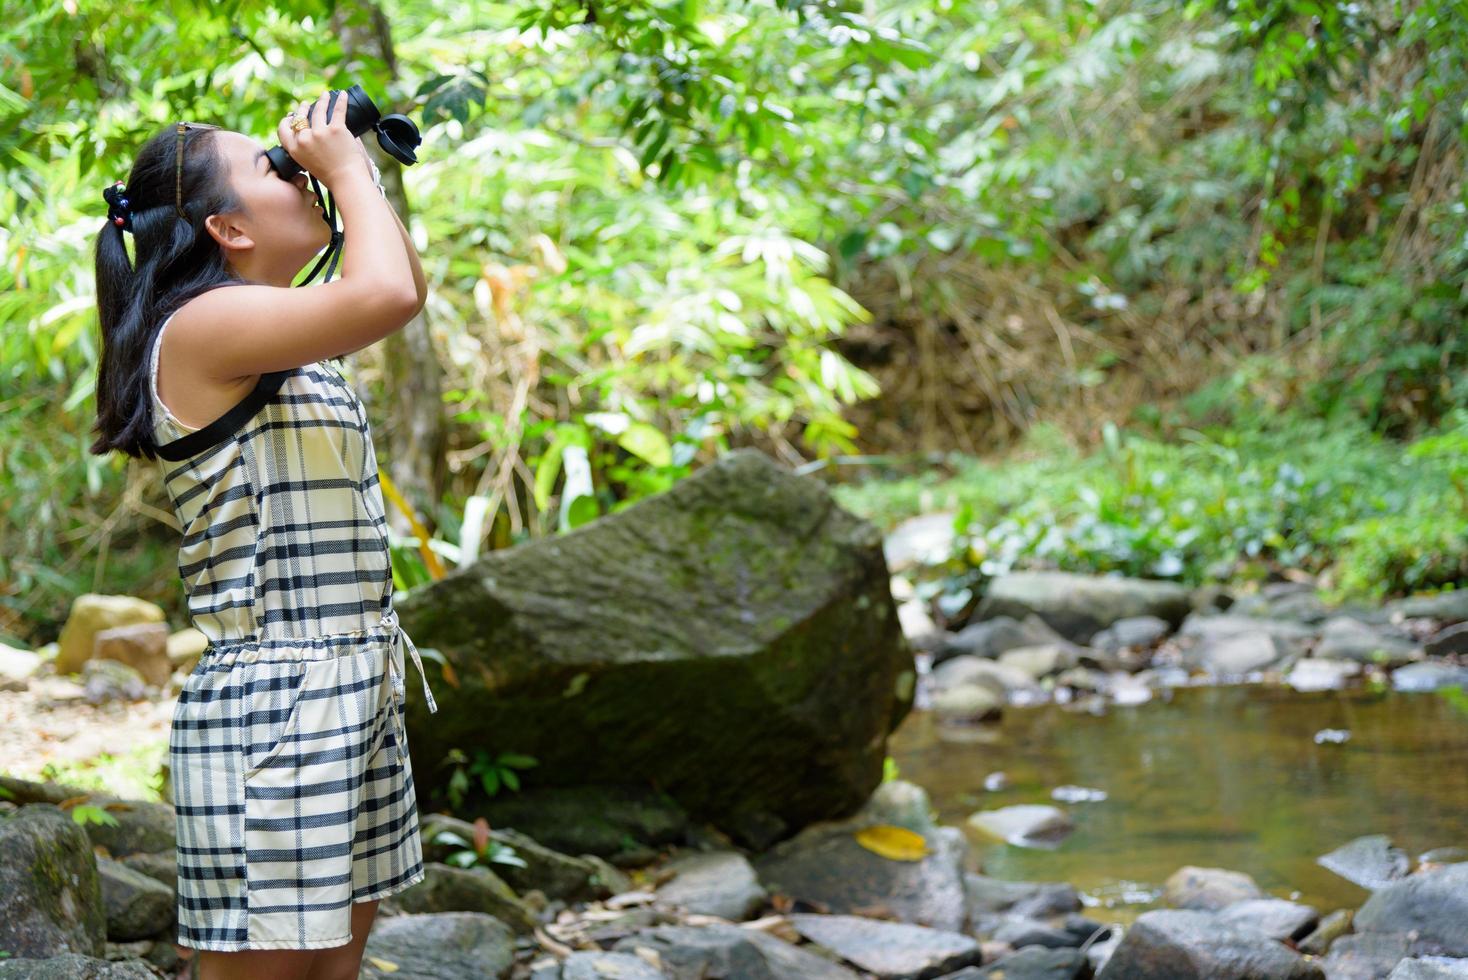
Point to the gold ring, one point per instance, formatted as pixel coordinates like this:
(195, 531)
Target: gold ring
(299, 123)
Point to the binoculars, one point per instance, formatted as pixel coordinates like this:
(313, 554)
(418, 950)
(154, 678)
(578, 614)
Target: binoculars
(396, 134)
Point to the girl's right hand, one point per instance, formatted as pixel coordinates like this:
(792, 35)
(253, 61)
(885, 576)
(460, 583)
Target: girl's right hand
(325, 149)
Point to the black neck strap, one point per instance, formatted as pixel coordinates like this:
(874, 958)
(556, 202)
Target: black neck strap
(226, 425)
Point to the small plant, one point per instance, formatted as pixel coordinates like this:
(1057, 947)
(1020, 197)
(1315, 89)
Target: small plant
(491, 772)
(483, 850)
(86, 813)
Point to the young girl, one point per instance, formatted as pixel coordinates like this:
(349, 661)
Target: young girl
(294, 797)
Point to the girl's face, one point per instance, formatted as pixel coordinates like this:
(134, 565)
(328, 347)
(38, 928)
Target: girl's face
(279, 227)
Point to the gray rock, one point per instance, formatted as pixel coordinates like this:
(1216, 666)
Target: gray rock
(1315, 674)
(447, 889)
(1287, 633)
(1019, 932)
(892, 950)
(1032, 963)
(1275, 917)
(1345, 638)
(141, 826)
(825, 864)
(448, 946)
(1001, 679)
(50, 895)
(989, 896)
(1432, 905)
(141, 646)
(16, 668)
(1449, 641)
(1431, 968)
(1131, 633)
(721, 950)
(719, 883)
(162, 868)
(1429, 676)
(73, 966)
(991, 637)
(744, 595)
(1043, 660)
(1209, 889)
(1174, 944)
(1237, 655)
(1365, 955)
(923, 540)
(967, 703)
(1450, 607)
(137, 906)
(556, 875)
(1371, 862)
(603, 965)
(1079, 606)
(1331, 928)
(624, 823)
(108, 680)
(1025, 824)
(1443, 855)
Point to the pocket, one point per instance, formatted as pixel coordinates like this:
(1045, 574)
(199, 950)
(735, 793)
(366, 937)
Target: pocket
(270, 710)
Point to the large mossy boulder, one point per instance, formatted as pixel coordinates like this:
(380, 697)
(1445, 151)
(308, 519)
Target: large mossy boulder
(50, 894)
(732, 642)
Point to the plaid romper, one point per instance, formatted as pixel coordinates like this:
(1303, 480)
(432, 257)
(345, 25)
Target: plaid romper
(290, 774)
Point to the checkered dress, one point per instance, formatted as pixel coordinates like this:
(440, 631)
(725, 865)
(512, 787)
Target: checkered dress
(291, 782)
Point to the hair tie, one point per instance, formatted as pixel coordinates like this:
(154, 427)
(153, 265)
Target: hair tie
(118, 210)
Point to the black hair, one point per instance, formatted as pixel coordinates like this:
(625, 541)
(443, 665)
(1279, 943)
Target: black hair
(176, 260)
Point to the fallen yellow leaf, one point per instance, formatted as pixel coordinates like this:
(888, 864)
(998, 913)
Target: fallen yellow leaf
(894, 843)
(386, 966)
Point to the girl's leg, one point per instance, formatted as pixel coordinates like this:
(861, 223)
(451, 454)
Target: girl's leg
(252, 964)
(344, 962)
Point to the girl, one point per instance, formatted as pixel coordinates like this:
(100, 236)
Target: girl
(291, 782)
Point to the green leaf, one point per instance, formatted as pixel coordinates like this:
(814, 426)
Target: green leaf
(647, 442)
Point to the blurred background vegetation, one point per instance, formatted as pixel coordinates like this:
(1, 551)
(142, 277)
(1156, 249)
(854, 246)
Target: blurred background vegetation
(1173, 289)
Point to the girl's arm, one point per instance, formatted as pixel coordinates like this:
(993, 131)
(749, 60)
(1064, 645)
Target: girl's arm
(420, 283)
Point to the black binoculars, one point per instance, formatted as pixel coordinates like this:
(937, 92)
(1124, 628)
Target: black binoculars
(396, 134)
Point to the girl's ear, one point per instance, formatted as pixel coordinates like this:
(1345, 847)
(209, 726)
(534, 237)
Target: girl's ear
(230, 236)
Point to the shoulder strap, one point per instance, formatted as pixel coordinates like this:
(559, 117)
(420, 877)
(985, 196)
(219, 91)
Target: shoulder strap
(226, 425)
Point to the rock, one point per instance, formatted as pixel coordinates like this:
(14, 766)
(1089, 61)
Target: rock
(719, 883)
(1450, 641)
(1018, 932)
(1079, 606)
(448, 946)
(622, 823)
(1371, 862)
(1431, 968)
(1450, 607)
(721, 950)
(50, 896)
(1275, 917)
(825, 865)
(893, 950)
(1237, 655)
(1001, 679)
(1025, 825)
(1443, 855)
(1126, 690)
(923, 540)
(1176, 944)
(991, 637)
(73, 966)
(137, 907)
(1429, 676)
(141, 826)
(16, 668)
(1209, 889)
(142, 646)
(1315, 674)
(967, 703)
(1041, 661)
(1305, 606)
(918, 626)
(1131, 633)
(162, 868)
(185, 648)
(582, 965)
(92, 613)
(989, 896)
(1433, 905)
(557, 876)
(1032, 963)
(1365, 956)
(1286, 633)
(1345, 638)
(447, 889)
(110, 680)
(744, 596)
(1331, 928)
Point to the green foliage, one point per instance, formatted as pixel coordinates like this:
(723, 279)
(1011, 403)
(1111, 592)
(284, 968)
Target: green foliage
(484, 850)
(135, 774)
(490, 773)
(85, 813)
(1337, 500)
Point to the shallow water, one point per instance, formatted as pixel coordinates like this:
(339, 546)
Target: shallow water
(1228, 777)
